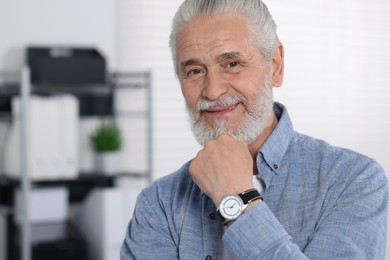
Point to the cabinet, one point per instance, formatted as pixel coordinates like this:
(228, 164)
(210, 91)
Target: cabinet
(127, 99)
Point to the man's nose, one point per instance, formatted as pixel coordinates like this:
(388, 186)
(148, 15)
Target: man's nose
(215, 85)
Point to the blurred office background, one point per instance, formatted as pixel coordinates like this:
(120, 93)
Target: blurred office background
(336, 87)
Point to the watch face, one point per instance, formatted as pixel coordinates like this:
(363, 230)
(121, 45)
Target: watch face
(231, 207)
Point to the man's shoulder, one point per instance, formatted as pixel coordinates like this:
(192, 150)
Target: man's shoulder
(319, 147)
(335, 158)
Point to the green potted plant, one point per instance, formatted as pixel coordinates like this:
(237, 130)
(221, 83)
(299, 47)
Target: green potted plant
(106, 142)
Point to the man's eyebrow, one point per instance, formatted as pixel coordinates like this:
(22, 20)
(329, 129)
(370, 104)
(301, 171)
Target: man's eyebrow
(223, 56)
(228, 56)
(189, 62)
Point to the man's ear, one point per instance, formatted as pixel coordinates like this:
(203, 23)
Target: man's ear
(278, 66)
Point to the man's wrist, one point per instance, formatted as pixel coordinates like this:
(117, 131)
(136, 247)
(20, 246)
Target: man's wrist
(252, 204)
(233, 206)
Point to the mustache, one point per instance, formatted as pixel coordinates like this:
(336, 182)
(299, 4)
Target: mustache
(204, 104)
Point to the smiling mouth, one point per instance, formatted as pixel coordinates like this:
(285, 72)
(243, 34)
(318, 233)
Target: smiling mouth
(221, 110)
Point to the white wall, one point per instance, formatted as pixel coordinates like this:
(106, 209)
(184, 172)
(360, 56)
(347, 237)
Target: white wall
(71, 22)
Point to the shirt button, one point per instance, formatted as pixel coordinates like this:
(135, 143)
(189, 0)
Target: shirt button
(276, 166)
(209, 257)
(212, 215)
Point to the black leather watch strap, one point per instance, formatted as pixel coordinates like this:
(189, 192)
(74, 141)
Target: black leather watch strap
(250, 195)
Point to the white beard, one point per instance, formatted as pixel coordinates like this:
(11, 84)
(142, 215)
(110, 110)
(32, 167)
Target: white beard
(253, 124)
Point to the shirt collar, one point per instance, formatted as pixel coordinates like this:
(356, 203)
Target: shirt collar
(275, 147)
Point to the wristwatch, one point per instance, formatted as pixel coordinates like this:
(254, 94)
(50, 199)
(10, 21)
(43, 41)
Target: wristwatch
(233, 206)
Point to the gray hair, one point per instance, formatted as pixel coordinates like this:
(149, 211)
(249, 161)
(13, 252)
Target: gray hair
(261, 24)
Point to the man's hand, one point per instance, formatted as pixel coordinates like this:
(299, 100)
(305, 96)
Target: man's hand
(224, 166)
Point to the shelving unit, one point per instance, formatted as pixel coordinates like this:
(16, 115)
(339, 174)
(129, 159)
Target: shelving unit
(137, 87)
(120, 84)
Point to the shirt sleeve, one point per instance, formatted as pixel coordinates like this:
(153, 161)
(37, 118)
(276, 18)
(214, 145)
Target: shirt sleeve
(258, 235)
(146, 225)
(353, 227)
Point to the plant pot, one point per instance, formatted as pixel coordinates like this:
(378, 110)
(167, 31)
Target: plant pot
(107, 163)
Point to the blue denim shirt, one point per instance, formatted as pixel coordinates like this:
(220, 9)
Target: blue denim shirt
(320, 202)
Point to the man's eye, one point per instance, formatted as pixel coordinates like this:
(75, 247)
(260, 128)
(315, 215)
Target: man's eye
(195, 71)
(233, 64)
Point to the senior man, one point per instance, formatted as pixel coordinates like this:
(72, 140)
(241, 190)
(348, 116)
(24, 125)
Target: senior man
(257, 189)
